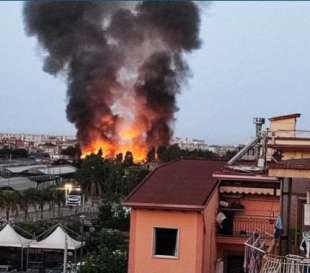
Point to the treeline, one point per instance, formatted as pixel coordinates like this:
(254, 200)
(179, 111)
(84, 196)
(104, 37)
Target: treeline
(12, 203)
(174, 152)
(8, 153)
(109, 179)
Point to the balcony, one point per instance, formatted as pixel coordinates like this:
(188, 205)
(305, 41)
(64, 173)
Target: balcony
(287, 264)
(301, 134)
(243, 225)
(247, 224)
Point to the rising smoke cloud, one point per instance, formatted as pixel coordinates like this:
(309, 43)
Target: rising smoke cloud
(124, 65)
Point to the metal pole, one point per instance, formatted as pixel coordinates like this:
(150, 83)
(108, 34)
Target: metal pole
(22, 259)
(27, 258)
(286, 190)
(83, 203)
(82, 235)
(65, 255)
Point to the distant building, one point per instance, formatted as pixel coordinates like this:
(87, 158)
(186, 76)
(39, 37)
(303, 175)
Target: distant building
(53, 150)
(190, 144)
(221, 150)
(48, 144)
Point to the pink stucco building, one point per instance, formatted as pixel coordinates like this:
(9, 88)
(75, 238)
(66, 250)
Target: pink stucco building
(173, 217)
(194, 216)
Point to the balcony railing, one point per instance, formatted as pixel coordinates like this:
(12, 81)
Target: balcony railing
(288, 264)
(244, 225)
(290, 133)
(247, 224)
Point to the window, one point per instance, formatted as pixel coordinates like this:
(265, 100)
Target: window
(165, 242)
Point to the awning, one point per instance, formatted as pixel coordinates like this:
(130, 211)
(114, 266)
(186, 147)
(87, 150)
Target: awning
(10, 238)
(245, 190)
(56, 240)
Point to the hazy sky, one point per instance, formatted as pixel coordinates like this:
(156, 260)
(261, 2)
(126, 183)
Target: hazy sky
(254, 62)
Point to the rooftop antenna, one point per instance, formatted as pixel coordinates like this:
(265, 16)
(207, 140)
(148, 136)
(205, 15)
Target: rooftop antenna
(259, 122)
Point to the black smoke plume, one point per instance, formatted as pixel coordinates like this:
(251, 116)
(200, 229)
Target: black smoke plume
(111, 52)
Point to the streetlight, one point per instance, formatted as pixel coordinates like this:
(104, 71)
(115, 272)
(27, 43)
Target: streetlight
(69, 188)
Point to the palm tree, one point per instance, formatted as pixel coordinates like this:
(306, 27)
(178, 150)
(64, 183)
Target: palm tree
(2, 203)
(58, 197)
(92, 175)
(9, 200)
(42, 198)
(26, 199)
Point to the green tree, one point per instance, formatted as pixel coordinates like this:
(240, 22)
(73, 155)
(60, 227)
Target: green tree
(229, 154)
(9, 201)
(92, 175)
(106, 261)
(169, 153)
(58, 197)
(27, 199)
(42, 197)
(128, 160)
(113, 215)
(132, 177)
(111, 253)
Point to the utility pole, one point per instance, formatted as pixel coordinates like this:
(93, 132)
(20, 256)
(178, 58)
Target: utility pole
(82, 218)
(83, 203)
(65, 254)
(286, 192)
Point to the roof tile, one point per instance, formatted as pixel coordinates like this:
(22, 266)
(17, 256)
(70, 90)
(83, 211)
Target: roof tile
(182, 182)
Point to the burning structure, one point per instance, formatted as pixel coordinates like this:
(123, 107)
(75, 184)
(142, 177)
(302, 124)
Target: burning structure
(124, 65)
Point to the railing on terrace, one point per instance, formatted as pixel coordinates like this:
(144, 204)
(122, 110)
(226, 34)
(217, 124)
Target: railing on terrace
(288, 264)
(63, 212)
(247, 224)
(290, 133)
(244, 225)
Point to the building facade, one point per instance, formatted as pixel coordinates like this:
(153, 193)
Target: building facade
(196, 216)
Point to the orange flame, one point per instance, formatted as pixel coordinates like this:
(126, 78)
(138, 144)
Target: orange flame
(111, 150)
(129, 136)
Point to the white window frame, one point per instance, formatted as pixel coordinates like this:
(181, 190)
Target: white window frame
(176, 256)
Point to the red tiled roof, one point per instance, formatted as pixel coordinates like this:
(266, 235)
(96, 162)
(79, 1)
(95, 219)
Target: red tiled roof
(295, 164)
(295, 115)
(183, 184)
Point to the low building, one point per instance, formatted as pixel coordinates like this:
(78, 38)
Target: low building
(173, 219)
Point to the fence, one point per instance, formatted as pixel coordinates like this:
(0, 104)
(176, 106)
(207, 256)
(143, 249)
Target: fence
(62, 212)
(287, 264)
(290, 133)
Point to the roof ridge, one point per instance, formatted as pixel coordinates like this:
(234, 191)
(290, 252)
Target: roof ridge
(206, 201)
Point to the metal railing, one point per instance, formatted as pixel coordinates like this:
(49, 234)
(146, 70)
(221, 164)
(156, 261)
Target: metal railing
(289, 133)
(63, 212)
(287, 264)
(247, 224)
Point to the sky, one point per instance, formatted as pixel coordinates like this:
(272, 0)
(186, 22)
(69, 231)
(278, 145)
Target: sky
(254, 61)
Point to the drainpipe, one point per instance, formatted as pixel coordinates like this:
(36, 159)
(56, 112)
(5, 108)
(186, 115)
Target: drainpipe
(286, 192)
(203, 241)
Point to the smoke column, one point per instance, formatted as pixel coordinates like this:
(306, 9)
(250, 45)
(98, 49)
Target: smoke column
(124, 65)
